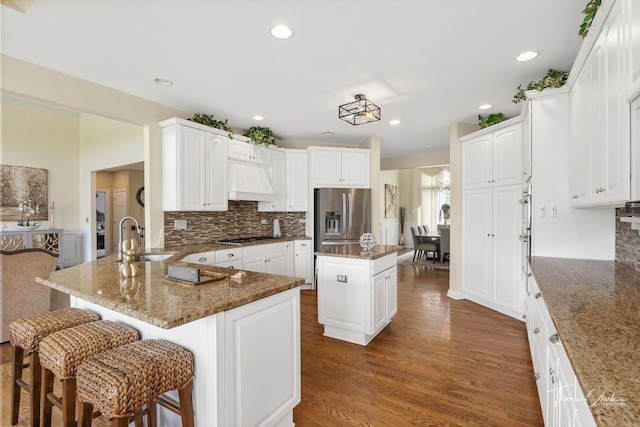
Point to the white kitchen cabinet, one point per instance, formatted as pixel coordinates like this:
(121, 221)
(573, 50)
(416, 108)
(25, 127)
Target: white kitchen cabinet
(297, 181)
(240, 148)
(194, 174)
(303, 260)
(277, 178)
(261, 374)
(493, 157)
(267, 258)
(632, 14)
(600, 136)
(289, 259)
(491, 218)
(562, 400)
(356, 297)
(228, 258)
(339, 168)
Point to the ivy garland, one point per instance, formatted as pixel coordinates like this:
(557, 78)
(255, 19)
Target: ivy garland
(589, 15)
(553, 78)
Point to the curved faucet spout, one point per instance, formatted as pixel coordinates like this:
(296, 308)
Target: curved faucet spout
(122, 221)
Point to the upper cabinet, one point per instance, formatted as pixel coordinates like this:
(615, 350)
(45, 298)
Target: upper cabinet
(297, 181)
(194, 175)
(277, 177)
(493, 158)
(339, 168)
(600, 143)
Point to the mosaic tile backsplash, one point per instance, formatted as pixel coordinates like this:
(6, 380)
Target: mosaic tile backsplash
(627, 243)
(241, 220)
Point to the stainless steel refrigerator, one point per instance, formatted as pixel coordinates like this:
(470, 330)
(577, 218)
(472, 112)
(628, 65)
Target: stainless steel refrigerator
(342, 215)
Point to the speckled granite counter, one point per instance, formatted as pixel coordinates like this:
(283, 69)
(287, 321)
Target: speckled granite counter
(595, 306)
(356, 251)
(161, 302)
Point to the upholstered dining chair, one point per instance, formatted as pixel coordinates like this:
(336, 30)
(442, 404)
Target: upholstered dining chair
(445, 243)
(20, 295)
(421, 247)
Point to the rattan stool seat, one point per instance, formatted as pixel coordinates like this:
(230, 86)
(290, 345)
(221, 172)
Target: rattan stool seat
(62, 352)
(121, 381)
(25, 335)
(27, 332)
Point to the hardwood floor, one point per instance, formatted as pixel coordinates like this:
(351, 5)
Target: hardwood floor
(440, 362)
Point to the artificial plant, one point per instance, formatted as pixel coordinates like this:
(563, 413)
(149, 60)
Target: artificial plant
(553, 78)
(491, 119)
(261, 135)
(589, 15)
(209, 120)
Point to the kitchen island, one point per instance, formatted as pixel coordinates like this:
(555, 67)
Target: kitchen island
(357, 291)
(593, 306)
(244, 332)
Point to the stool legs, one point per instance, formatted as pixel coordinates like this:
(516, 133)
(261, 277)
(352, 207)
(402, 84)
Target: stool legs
(67, 404)
(186, 404)
(17, 384)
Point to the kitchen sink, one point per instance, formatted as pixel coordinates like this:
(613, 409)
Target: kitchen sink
(150, 257)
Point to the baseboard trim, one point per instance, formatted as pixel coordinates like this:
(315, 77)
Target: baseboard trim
(456, 295)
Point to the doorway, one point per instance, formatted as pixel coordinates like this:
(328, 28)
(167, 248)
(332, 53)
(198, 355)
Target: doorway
(103, 223)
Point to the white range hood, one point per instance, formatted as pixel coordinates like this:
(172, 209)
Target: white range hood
(249, 182)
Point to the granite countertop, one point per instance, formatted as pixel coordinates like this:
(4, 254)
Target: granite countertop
(162, 302)
(212, 246)
(354, 250)
(595, 306)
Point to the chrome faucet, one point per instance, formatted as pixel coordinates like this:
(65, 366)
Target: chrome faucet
(138, 229)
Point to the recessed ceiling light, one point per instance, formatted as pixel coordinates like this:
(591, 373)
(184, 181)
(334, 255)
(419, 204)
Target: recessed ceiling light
(163, 82)
(527, 56)
(257, 117)
(327, 133)
(394, 122)
(485, 107)
(281, 32)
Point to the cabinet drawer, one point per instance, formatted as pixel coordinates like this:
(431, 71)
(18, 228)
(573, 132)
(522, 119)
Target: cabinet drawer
(207, 258)
(303, 245)
(235, 264)
(228, 255)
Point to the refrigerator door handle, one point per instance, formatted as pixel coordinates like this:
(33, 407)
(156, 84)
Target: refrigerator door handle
(349, 212)
(345, 225)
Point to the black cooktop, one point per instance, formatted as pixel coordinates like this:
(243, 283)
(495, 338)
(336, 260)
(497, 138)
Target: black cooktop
(239, 240)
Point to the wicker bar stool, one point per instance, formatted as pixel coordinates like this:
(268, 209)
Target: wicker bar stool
(120, 382)
(25, 335)
(62, 352)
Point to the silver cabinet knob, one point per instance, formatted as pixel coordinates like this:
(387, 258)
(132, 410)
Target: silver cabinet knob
(554, 339)
(536, 331)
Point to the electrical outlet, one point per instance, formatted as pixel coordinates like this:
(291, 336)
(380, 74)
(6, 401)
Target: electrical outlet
(263, 221)
(554, 211)
(302, 220)
(180, 224)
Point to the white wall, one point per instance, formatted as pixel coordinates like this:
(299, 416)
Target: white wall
(587, 233)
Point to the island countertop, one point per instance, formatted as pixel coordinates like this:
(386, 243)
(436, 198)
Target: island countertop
(595, 308)
(354, 250)
(165, 303)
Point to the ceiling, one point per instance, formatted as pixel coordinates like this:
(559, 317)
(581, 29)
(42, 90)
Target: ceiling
(427, 63)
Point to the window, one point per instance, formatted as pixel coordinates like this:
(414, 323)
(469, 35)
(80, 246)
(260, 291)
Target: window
(434, 192)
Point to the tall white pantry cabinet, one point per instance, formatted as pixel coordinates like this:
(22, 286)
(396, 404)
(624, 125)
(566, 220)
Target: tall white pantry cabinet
(491, 217)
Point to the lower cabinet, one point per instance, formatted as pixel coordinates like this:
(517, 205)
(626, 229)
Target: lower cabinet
(303, 260)
(267, 258)
(262, 361)
(357, 298)
(562, 400)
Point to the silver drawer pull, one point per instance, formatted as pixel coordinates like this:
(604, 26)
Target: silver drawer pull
(536, 331)
(537, 295)
(230, 255)
(202, 259)
(554, 339)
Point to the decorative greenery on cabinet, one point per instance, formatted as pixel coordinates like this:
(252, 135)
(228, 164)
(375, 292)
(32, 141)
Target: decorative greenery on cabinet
(209, 120)
(261, 135)
(553, 79)
(589, 15)
(491, 119)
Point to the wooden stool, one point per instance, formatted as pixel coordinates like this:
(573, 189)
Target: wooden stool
(25, 335)
(62, 352)
(120, 382)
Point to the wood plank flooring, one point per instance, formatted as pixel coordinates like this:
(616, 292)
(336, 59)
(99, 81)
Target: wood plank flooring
(440, 362)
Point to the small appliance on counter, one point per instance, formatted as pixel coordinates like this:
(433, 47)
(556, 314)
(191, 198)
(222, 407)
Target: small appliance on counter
(276, 228)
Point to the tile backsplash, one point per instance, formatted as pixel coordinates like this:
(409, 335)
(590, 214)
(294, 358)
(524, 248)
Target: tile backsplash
(627, 243)
(241, 220)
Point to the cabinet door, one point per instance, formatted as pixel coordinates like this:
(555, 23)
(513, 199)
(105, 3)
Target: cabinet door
(476, 242)
(507, 155)
(297, 182)
(326, 168)
(255, 258)
(277, 177)
(192, 169)
(355, 169)
(276, 262)
(578, 142)
(303, 260)
(392, 292)
(506, 247)
(216, 172)
(344, 298)
(378, 303)
(240, 150)
(476, 162)
(633, 16)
